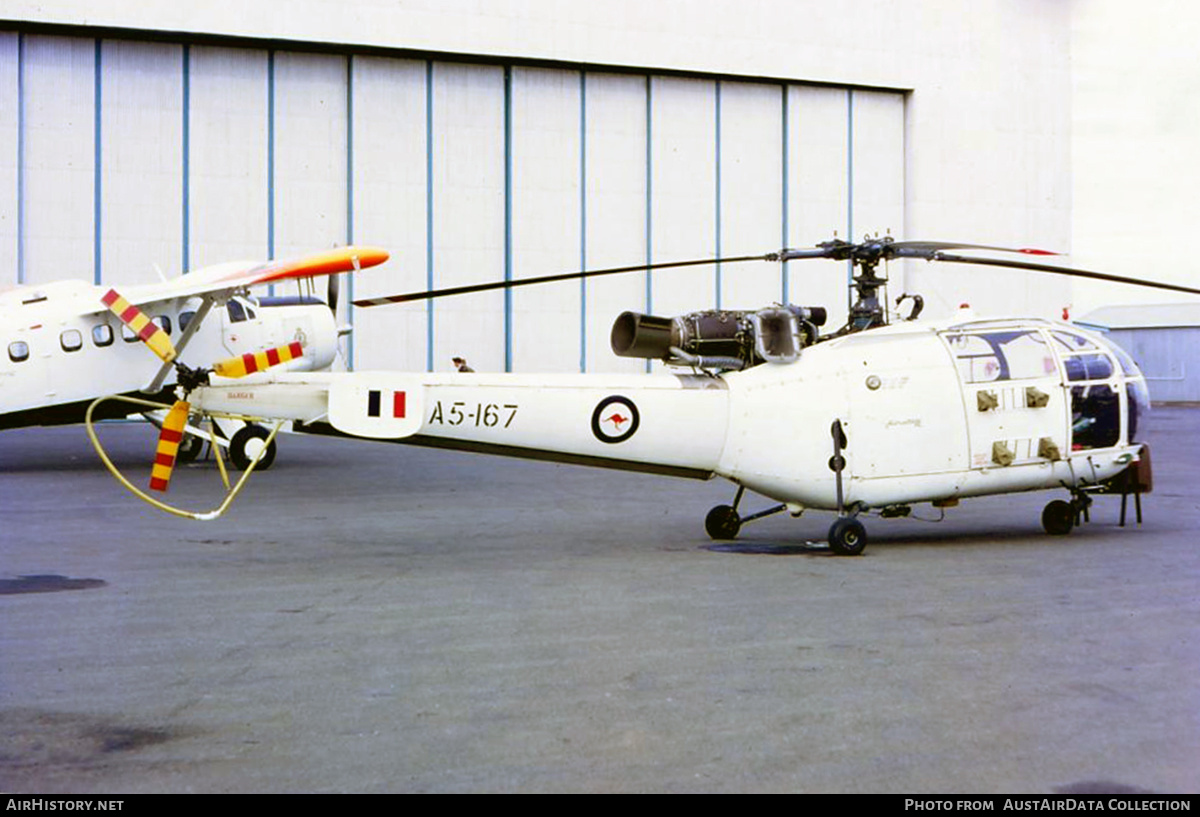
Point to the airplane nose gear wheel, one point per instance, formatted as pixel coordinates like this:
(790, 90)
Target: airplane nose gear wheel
(246, 444)
(723, 522)
(847, 537)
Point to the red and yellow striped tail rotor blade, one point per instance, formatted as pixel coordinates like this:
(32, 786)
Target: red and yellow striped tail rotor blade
(150, 332)
(258, 361)
(168, 445)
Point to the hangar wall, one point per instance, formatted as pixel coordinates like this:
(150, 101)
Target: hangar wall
(525, 139)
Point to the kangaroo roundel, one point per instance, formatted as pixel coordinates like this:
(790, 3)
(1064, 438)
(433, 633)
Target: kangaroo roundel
(615, 419)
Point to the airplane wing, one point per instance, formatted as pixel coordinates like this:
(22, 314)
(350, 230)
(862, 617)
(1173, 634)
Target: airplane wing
(226, 279)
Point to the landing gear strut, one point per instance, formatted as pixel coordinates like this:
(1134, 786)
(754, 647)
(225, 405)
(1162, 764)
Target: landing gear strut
(723, 521)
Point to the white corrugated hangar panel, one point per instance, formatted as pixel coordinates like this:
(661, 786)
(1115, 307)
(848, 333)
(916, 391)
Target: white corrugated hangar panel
(310, 135)
(683, 202)
(310, 143)
(818, 194)
(227, 204)
(468, 213)
(615, 180)
(60, 91)
(141, 160)
(467, 173)
(545, 218)
(877, 184)
(751, 168)
(389, 210)
(10, 124)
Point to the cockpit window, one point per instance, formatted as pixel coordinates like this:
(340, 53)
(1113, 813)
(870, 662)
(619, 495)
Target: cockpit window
(1127, 365)
(236, 313)
(1095, 416)
(1092, 366)
(991, 356)
(1070, 342)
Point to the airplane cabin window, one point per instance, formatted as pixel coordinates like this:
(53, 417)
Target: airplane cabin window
(164, 323)
(18, 351)
(128, 335)
(185, 318)
(102, 335)
(71, 340)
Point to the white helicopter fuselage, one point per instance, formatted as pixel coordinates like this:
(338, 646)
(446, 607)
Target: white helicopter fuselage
(929, 411)
(62, 349)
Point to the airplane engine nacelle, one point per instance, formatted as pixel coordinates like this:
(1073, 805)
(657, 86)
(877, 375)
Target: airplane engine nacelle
(719, 338)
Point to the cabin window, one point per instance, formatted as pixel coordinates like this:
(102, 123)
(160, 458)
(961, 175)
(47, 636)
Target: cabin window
(185, 318)
(164, 323)
(102, 335)
(18, 351)
(71, 340)
(127, 334)
(1095, 416)
(992, 356)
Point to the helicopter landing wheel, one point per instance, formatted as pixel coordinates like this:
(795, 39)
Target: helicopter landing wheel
(847, 537)
(723, 522)
(245, 445)
(1058, 517)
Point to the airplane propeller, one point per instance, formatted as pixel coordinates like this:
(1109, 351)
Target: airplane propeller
(188, 378)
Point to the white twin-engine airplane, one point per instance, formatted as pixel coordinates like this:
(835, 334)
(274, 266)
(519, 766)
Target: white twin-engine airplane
(64, 347)
(872, 417)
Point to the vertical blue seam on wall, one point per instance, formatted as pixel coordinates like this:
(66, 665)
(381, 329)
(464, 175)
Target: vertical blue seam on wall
(508, 219)
(785, 147)
(20, 158)
(717, 190)
(350, 202)
(97, 169)
(271, 159)
(649, 199)
(583, 303)
(429, 213)
(850, 191)
(186, 149)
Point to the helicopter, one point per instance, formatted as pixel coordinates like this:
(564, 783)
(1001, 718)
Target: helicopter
(874, 417)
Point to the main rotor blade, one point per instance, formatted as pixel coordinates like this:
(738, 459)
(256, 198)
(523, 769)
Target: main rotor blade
(1079, 273)
(547, 279)
(926, 249)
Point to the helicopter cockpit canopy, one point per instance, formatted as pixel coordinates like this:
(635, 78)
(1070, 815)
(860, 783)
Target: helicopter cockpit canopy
(1103, 381)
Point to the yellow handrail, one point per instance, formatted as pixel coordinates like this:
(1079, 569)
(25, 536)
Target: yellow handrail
(205, 516)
